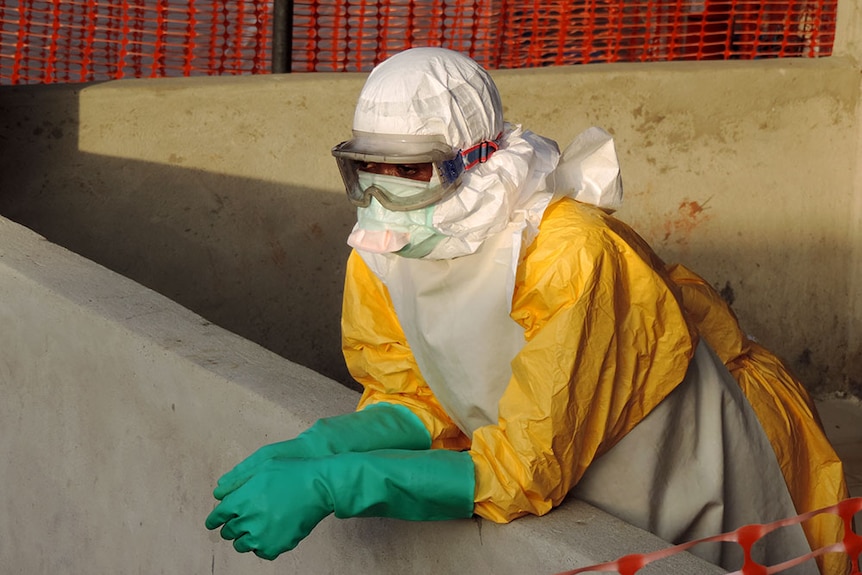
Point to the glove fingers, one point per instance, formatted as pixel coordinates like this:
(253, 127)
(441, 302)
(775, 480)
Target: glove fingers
(248, 542)
(265, 554)
(276, 508)
(250, 462)
(227, 485)
(244, 530)
(244, 544)
(246, 468)
(220, 515)
(233, 529)
(269, 541)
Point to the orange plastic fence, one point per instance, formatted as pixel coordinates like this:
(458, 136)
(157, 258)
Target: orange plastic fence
(338, 36)
(747, 537)
(45, 41)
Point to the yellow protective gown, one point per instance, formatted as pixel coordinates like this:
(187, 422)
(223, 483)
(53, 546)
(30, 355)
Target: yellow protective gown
(607, 339)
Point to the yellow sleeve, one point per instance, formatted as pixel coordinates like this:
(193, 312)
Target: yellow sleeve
(606, 342)
(812, 470)
(379, 358)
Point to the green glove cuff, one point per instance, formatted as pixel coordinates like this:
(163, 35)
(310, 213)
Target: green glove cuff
(414, 485)
(378, 426)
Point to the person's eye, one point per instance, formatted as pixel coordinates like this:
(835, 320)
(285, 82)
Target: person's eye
(408, 171)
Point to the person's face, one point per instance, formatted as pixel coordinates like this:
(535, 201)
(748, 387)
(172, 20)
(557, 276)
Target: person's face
(419, 172)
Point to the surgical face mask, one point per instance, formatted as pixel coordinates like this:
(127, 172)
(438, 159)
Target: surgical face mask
(420, 248)
(379, 230)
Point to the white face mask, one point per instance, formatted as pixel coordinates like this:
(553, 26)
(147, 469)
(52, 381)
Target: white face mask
(379, 230)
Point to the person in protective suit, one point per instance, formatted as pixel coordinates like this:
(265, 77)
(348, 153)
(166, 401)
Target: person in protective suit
(517, 343)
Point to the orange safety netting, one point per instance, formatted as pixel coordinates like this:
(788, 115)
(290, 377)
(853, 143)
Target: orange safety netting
(747, 537)
(338, 36)
(45, 41)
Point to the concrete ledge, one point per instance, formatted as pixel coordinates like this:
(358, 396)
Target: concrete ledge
(121, 408)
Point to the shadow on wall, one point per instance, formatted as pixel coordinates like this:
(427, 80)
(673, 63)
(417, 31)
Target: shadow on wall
(266, 260)
(261, 259)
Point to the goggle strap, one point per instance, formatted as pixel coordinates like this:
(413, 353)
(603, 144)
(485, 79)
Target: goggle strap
(479, 153)
(451, 170)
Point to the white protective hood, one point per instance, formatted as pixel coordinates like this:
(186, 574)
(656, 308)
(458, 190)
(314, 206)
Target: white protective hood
(454, 303)
(430, 91)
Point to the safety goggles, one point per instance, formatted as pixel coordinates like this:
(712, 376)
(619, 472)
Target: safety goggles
(407, 157)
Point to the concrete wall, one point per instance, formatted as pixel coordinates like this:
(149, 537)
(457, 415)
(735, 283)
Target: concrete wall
(121, 408)
(221, 194)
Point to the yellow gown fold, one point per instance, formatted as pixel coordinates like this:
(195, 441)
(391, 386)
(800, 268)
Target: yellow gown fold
(813, 471)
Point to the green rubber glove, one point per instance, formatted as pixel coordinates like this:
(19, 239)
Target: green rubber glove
(378, 426)
(286, 498)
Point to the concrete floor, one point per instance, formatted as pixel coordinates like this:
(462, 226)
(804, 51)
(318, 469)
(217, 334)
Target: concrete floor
(842, 419)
